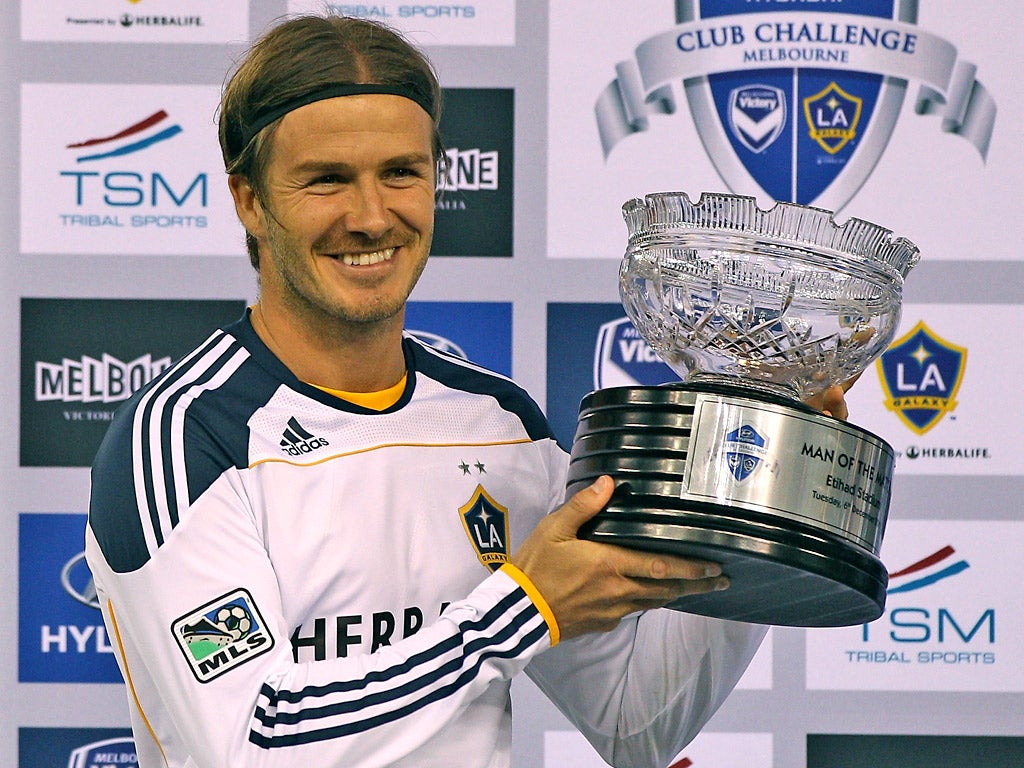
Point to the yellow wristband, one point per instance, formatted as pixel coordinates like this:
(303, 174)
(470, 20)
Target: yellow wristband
(534, 594)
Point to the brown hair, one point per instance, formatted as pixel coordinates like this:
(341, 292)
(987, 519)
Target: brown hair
(306, 54)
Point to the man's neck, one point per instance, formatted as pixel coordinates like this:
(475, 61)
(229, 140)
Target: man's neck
(341, 356)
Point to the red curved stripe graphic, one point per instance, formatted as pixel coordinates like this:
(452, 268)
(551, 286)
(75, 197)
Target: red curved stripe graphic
(942, 554)
(142, 125)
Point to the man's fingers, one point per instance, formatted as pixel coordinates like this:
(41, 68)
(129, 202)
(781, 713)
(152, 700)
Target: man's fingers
(583, 505)
(663, 568)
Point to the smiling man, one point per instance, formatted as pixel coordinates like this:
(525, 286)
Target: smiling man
(345, 220)
(318, 542)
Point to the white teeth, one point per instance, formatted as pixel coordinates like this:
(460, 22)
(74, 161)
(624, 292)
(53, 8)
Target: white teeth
(364, 259)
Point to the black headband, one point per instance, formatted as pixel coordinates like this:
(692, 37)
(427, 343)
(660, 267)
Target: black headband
(262, 119)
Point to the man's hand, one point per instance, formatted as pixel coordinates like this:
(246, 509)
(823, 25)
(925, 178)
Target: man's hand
(591, 586)
(832, 401)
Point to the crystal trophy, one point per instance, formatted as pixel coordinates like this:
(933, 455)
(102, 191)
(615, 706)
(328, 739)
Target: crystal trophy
(756, 311)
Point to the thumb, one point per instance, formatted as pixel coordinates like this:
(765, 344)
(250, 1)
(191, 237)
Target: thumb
(583, 505)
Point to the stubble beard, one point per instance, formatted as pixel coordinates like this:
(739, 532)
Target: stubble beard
(303, 296)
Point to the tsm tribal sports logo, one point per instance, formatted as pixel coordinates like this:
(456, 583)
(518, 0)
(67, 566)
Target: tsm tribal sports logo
(927, 571)
(101, 182)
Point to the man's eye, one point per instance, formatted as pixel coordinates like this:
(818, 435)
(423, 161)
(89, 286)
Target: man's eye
(404, 174)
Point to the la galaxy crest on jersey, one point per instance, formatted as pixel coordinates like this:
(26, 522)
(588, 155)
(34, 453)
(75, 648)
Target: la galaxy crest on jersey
(486, 525)
(921, 374)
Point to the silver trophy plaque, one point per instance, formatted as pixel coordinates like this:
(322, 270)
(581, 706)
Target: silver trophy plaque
(756, 310)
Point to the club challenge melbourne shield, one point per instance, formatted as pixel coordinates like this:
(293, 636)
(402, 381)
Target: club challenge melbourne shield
(798, 128)
(795, 101)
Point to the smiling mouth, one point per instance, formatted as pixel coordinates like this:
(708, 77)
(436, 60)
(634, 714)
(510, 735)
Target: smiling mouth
(365, 259)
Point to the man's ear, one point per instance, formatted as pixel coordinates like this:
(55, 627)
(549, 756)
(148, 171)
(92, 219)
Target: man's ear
(247, 205)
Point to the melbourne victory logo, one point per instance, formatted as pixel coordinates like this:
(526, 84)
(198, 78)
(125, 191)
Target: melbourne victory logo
(796, 101)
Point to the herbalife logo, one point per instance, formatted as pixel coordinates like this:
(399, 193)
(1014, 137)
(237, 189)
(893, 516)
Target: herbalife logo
(221, 635)
(296, 441)
(470, 170)
(92, 380)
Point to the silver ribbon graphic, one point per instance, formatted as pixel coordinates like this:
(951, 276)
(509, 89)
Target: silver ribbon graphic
(643, 86)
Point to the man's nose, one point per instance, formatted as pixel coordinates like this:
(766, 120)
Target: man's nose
(367, 213)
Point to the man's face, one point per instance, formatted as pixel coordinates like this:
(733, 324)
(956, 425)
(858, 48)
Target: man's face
(347, 217)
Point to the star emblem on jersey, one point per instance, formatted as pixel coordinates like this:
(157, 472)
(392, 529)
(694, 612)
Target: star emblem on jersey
(222, 634)
(481, 469)
(486, 525)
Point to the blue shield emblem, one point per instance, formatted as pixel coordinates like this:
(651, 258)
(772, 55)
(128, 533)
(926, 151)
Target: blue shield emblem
(757, 115)
(486, 525)
(795, 101)
(821, 157)
(921, 375)
(832, 117)
(744, 449)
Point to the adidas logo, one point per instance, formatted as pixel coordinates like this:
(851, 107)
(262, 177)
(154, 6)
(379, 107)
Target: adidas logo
(296, 441)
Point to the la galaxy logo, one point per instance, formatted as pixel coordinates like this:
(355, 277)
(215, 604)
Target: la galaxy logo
(486, 525)
(921, 375)
(744, 450)
(791, 100)
(832, 117)
(223, 634)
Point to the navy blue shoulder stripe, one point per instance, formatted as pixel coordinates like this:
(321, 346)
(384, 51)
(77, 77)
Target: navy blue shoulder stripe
(148, 470)
(459, 374)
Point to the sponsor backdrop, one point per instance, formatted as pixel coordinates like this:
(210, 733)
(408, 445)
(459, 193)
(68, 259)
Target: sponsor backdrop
(119, 251)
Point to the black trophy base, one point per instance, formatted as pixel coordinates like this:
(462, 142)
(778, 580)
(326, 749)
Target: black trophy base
(777, 575)
(800, 549)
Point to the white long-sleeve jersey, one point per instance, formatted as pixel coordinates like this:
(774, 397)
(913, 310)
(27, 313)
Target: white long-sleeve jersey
(294, 580)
